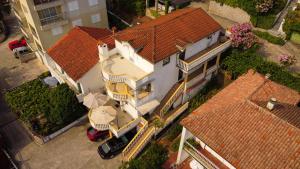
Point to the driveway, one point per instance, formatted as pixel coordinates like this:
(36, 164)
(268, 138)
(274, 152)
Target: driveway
(71, 150)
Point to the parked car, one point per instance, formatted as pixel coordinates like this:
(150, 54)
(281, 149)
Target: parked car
(114, 146)
(17, 43)
(95, 135)
(21, 51)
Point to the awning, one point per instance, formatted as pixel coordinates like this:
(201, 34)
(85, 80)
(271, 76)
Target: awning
(148, 107)
(94, 100)
(101, 117)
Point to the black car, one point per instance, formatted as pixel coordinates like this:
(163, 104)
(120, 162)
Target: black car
(114, 146)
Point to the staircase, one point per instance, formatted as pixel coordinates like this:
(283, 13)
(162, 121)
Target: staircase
(139, 141)
(170, 98)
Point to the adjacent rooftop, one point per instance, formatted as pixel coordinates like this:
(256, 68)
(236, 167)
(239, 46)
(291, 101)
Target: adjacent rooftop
(237, 124)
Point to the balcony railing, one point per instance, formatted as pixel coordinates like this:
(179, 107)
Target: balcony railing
(198, 156)
(39, 2)
(52, 19)
(125, 128)
(187, 65)
(127, 78)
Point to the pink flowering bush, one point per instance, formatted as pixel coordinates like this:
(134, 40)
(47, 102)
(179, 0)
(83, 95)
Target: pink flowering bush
(286, 60)
(263, 6)
(242, 36)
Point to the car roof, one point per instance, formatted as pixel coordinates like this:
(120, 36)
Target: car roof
(21, 48)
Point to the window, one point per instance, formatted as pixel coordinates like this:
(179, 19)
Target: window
(77, 22)
(73, 5)
(57, 31)
(182, 55)
(93, 2)
(49, 15)
(147, 88)
(212, 62)
(96, 18)
(79, 88)
(166, 61)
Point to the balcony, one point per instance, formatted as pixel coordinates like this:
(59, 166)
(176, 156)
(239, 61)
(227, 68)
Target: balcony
(119, 70)
(55, 20)
(122, 92)
(199, 156)
(123, 122)
(201, 57)
(43, 4)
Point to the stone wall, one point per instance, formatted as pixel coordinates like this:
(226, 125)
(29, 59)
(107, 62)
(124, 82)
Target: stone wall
(225, 11)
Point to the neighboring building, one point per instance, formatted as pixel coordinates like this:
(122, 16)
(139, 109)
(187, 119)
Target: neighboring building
(74, 59)
(43, 22)
(252, 123)
(149, 71)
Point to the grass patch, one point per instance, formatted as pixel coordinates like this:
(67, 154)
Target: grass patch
(295, 37)
(270, 38)
(155, 14)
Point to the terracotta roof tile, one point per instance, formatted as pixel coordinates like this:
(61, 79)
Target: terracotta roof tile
(157, 39)
(236, 124)
(76, 52)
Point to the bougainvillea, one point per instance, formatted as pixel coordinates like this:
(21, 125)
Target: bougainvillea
(286, 60)
(242, 36)
(263, 6)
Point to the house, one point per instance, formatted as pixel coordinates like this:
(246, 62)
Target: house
(156, 67)
(74, 59)
(252, 123)
(43, 22)
(149, 71)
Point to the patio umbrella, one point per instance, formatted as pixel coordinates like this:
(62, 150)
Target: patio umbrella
(102, 116)
(94, 100)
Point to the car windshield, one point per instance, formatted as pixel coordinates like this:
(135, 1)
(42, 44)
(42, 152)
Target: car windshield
(105, 147)
(92, 131)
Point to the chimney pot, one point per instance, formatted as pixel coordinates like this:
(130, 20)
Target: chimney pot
(271, 104)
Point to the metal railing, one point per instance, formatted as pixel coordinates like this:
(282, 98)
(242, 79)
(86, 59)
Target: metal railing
(52, 19)
(172, 99)
(39, 2)
(135, 139)
(186, 66)
(197, 155)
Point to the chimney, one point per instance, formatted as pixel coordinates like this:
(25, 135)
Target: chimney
(114, 30)
(271, 104)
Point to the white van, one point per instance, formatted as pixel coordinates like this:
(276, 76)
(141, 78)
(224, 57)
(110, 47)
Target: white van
(21, 51)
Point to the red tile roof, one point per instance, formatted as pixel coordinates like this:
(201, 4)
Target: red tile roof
(156, 39)
(236, 124)
(76, 52)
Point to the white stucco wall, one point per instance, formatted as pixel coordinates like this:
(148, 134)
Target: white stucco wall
(165, 77)
(92, 80)
(128, 52)
(195, 48)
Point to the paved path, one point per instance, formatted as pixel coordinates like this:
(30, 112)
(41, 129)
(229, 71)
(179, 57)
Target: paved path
(283, 15)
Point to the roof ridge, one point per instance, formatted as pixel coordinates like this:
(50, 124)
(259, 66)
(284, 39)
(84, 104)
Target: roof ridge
(262, 109)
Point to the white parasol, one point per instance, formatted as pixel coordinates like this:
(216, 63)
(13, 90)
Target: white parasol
(102, 116)
(94, 100)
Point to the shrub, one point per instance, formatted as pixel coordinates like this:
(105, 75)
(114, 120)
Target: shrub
(287, 60)
(175, 144)
(242, 36)
(270, 38)
(155, 14)
(34, 100)
(292, 22)
(140, 7)
(154, 156)
(239, 62)
(265, 21)
(263, 6)
(174, 131)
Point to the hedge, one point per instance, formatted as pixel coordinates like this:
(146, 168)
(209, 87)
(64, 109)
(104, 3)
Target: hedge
(44, 109)
(239, 62)
(270, 38)
(264, 21)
